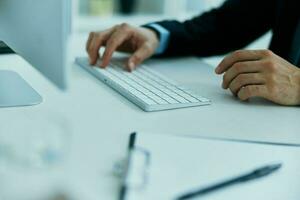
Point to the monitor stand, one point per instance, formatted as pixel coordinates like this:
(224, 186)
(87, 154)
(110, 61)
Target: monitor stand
(15, 91)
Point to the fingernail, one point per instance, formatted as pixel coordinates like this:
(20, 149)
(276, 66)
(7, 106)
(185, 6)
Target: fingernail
(131, 65)
(102, 65)
(223, 86)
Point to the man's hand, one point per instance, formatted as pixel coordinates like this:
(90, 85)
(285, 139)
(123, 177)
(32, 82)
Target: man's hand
(141, 42)
(261, 73)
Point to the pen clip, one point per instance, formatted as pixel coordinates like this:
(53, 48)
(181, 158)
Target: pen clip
(137, 170)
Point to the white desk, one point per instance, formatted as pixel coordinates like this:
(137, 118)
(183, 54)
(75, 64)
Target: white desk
(101, 120)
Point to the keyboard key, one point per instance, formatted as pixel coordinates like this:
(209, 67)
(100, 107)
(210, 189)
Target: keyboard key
(145, 86)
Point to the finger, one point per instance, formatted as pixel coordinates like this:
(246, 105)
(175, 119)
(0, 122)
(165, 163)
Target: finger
(239, 56)
(240, 68)
(250, 91)
(139, 56)
(88, 43)
(97, 41)
(95, 45)
(244, 80)
(116, 39)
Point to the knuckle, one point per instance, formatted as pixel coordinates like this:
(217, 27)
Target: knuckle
(98, 35)
(267, 53)
(98, 40)
(125, 27)
(248, 91)
(240, 79)
(270, 65)
(237, 67)
(116, 27)
(110, 44)
(237, 83)
(255, 90)
(237, 53)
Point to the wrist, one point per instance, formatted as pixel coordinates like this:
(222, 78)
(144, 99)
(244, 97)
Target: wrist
(162, 36)
(152, 37)
(155, 35)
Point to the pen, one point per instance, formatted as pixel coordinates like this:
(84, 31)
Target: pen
(258, 173)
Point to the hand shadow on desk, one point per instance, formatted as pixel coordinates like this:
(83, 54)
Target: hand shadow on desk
(255, 101)
(57, 196)
(214, 92)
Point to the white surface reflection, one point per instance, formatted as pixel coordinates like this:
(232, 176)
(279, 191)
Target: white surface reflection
(43, 144)
(32, 145)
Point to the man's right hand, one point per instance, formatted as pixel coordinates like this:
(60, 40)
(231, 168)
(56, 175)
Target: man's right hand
(141, 42)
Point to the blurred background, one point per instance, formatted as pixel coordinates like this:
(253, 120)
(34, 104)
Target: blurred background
(133, 7)
(51, 149)
(97, 15)
(93, 15)
(101, 14)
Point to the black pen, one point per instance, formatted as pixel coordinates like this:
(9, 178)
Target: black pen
(258, 173)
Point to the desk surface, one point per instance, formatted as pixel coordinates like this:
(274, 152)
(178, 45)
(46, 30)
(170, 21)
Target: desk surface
(100, 121)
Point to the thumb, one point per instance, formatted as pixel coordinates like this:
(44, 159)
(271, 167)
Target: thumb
(139, 56)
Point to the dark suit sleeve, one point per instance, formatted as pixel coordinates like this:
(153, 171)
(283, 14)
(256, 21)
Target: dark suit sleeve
(232, 26)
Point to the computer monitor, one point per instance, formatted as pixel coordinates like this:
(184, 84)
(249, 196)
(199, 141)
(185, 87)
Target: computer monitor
(38, 30)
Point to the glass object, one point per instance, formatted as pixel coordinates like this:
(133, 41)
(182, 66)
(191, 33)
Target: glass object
(101, 7)
(127, 6)
(34, 141)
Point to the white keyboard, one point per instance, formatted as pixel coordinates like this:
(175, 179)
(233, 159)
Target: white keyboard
(144, 87)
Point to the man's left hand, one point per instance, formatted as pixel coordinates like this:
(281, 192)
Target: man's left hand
(261, 73)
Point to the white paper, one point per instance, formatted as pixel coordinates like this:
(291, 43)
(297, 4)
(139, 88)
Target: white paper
(179, 165)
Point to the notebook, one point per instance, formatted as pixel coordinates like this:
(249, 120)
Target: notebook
(163, 167)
